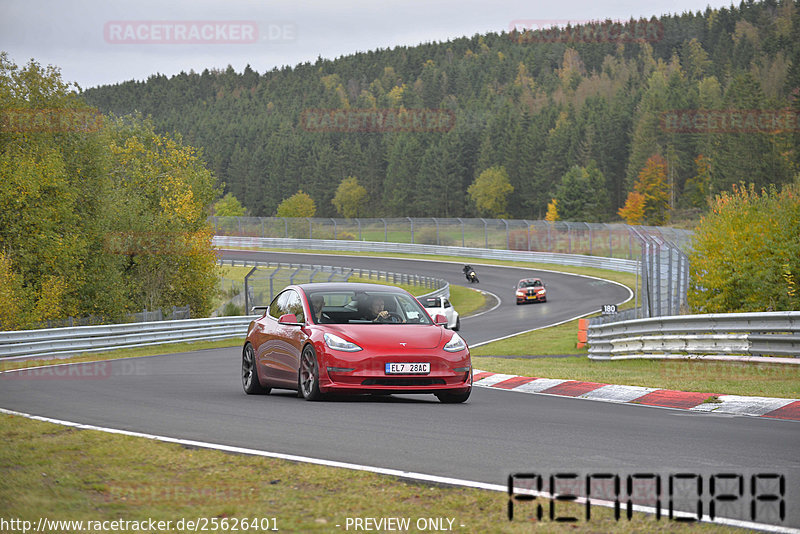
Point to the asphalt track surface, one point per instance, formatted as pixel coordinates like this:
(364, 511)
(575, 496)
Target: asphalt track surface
(198, 396)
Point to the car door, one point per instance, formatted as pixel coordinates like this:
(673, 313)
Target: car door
(286, 352)
(449, 312)
(279, 353)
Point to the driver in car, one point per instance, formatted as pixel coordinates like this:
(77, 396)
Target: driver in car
(377, 314)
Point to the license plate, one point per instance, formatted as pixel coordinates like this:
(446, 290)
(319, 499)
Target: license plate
(408, 368)
(531, 297)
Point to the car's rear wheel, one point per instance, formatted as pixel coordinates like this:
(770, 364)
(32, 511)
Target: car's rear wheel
(308, 376)
(453, 398)
(458, 324)
(250, 382)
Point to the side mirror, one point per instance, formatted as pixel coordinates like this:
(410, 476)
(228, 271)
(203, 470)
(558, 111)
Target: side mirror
(259, 309)
(440, 319)
(288, 319)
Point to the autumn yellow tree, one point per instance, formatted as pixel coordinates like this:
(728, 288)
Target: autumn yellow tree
(745, 254)
(98, 216)
(652, 184)
(552, 211)
(298, 205)
(633, 210)
(490, 192)
(349, 198)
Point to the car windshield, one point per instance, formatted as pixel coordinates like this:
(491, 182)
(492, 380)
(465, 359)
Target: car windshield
(365, 307)
(431, 302)
(530, 283)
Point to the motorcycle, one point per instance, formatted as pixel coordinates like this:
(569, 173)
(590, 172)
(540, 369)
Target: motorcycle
(469, 272)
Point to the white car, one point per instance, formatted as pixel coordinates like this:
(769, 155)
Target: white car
(441, 305)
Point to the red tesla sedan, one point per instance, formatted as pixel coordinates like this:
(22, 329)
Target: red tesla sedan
(353, 338)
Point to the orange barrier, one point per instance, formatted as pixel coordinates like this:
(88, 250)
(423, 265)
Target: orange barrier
(582, 335)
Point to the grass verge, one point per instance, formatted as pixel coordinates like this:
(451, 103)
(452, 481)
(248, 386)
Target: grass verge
(731, 378)
(62, 473)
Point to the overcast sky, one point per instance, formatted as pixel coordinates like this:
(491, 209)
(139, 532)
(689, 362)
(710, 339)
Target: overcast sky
(98, 42)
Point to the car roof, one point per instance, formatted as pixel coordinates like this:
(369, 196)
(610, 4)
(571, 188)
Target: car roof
(349, 286)
(530, 279)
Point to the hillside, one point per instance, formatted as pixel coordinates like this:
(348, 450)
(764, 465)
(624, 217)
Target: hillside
(534, 103)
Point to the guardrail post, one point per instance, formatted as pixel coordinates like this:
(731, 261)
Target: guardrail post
(412, 228)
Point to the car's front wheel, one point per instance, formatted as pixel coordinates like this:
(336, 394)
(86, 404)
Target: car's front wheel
(308, 376)
(250, 382)
(447, 397)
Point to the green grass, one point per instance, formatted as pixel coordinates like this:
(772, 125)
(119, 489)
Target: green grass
(555, 340)
(65, 473)
(62, 473)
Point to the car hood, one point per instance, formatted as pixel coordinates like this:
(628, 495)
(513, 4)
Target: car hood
(391, 336)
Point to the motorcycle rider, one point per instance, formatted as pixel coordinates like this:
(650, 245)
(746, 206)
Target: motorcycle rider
(470, 273)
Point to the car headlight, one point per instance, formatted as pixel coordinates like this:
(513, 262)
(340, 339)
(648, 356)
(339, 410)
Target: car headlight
(520, 294)
(336, 343)
(456, 344)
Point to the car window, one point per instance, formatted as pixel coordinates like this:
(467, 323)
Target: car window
(447, 303)
(431, 302)
(353, 307)
(294, 305)
(274, 307)
(287, 302)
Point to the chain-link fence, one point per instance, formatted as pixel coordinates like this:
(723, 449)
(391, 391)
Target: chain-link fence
(662, 278)
(144, 316)
(594, 239)
(267, 279)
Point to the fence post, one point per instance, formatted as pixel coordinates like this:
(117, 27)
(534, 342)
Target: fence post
(247, 293)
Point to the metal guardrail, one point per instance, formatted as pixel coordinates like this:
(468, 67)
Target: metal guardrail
(75, 340)
(688, 336)
(612, 264)
(299, 273)
(569, 237)
(62, 342)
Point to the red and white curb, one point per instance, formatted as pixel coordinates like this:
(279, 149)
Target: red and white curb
(774, 408)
